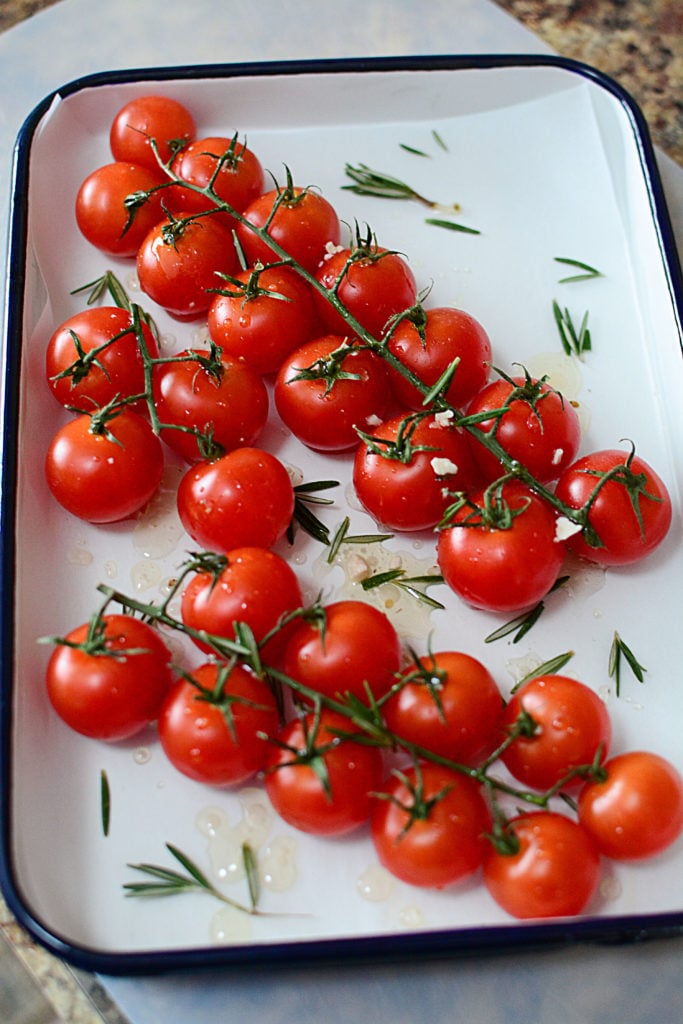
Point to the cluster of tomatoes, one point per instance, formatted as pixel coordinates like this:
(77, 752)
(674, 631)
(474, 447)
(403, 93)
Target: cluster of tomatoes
(351, 354)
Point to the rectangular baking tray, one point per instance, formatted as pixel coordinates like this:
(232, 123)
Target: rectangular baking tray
(548, 159)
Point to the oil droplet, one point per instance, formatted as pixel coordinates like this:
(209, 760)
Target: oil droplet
(230, 925)
(226, 840)
(141, 755)
(411, 917)
(111, 569)
(523, 666)
(158, 530)
(210, 820)
(610, 887)
(79, 556)
(145, 575)
(278, 864)
(375, 884)
(562, 371)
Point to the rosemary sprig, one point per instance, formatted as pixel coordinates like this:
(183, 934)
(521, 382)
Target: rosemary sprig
(105, 802)
(305, 495)
(521, 624)
(548, 667)
(618, 650)
(451, 225)
(587, 272)
(385, 186)
(341, 536)
(574, 341)
(410, 584)
(412, 149)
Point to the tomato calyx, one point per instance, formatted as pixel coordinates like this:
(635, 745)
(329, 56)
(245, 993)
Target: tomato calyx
(218, 697)
(251, 288)
(418, 807)
(312, 753)
(401, 448)
(95, 642)
(493, 512)
(422, 674)
(330, 367)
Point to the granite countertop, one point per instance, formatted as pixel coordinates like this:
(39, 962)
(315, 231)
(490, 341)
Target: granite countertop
(637, 42)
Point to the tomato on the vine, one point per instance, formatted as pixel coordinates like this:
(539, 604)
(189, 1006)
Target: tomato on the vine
(405, 469)
(429, 828)
(570, 727)
(300, 220)
(501, 554)
(634, 807)
(449, 703)
(245, 498)
(94, 357)
(102, 215)
(211, 725)
(109, 678)
(104, 470)
(238, 182)
(215, 396)
(548, 866)
(630, 507)
(318, 778)
(328, 387)
(145, 118)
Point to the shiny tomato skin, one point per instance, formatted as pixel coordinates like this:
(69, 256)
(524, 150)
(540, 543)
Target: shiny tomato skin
(239, 181)
(413, 495)
(573, 725)
(256, 586)
(179, 274)
(242, 499)
(612, 515)
(218, 743)
(544, 434)
(145, 118)
(555, 872)
(373, 289)
(453, 708)
(108, 696)
(354, 771)
(232, 405)
(100, 212)
(356, 647)
(636, 812)
(442, 848)
(100, 478)
(262, 329)
(303, 225)
(116, 371)
(449, 333)
(325, 417)
(503, 570)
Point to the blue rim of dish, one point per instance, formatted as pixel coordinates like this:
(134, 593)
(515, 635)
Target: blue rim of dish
(456, 942)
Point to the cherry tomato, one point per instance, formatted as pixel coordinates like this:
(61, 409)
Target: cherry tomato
(348, 389)
(304, 224)
(238, 182)
(319, 783)
(628, 530)
(636, 809)
(101, 213)
(261, 316)
(404, 474)
(243, 499)
(161, 118)
(103, 474)
(94, 357)
(448, 703)
(571, 726)
(180, 261)
(539, 427)
(352, 647)
(429, 349)
(373, 283)
(254, 586)
(503, 568)
(552, 871)
(430, 832)
(210, 731)
(109, 681)
(219, 395)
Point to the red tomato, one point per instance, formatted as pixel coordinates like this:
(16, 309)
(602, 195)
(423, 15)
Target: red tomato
(373, 283)
(318, 783)
(428, 351)
(256, 587)
(635, 809)
(539, 428)
(104, 474)
(404, 476)
(448, 703)
(144, 118)
(180, 261)
(503, 568)
(553, 870)
(243, 499)
(355, 646)
(262, 316)
(572, 725)
(101, 213)
(630, 512)
(430, 832)
(94, 357)
(197, 393)
(212, 734)
(304, 224)
(238, 182)
(323, 411)
(109, 683)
